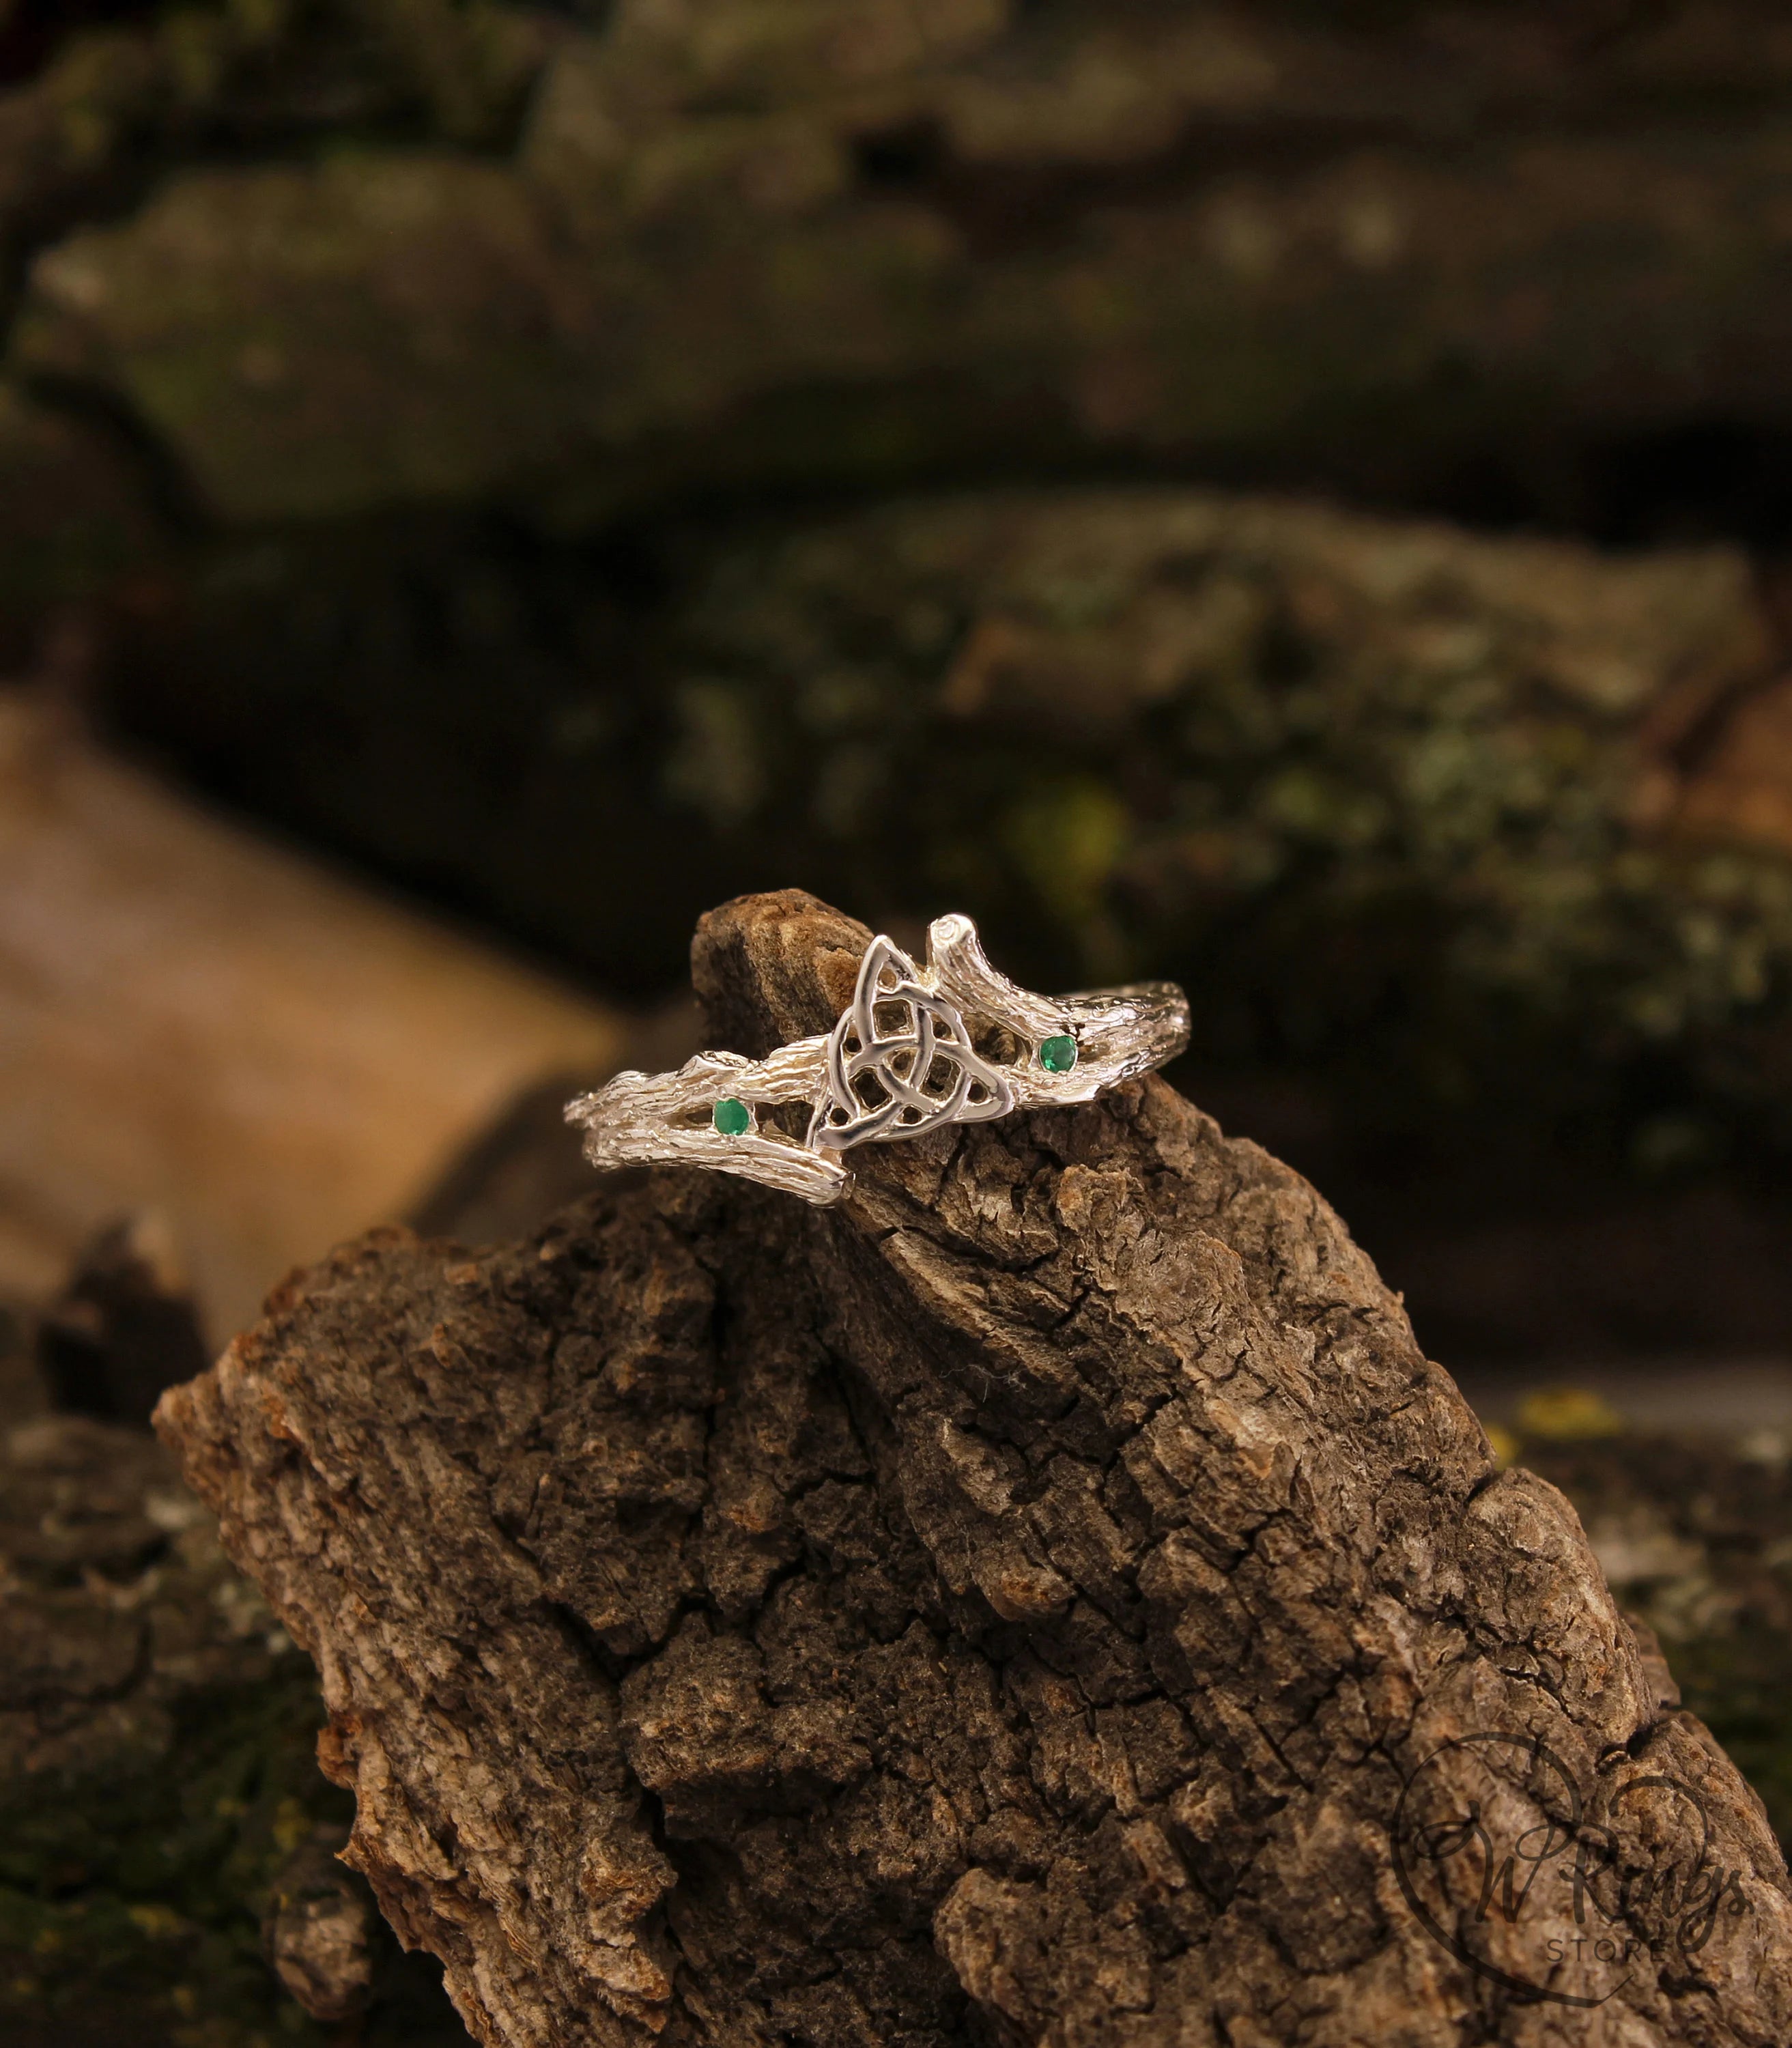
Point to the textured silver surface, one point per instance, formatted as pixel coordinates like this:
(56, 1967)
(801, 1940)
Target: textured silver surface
(901, 1060)
(895, 1076)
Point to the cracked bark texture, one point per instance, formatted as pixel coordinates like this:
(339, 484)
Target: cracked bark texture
(1005, 1609)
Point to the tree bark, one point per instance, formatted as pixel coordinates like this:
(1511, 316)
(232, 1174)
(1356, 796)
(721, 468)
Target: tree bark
(1049, 1598)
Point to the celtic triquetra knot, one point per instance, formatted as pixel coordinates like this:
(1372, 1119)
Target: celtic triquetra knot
(905, 1078)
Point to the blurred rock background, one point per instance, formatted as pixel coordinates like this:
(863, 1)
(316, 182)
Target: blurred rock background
(1290, 496)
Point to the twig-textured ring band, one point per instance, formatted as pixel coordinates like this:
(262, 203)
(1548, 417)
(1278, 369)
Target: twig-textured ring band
(952, 1042)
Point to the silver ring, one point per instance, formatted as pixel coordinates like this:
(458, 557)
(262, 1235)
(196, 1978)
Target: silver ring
(903, 1059)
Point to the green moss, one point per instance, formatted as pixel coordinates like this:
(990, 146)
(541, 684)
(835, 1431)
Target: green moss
(142, 1888)
(1740, 1685)
(131, 1897)
(1066, 840)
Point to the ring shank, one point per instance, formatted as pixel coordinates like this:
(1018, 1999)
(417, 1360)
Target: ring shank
(1117, 1034)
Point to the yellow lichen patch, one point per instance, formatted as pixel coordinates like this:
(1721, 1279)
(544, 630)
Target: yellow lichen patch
(159, 1923)
(1568, 1415)
(291, 1825)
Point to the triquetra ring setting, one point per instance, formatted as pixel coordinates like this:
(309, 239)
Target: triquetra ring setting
(951, 1043)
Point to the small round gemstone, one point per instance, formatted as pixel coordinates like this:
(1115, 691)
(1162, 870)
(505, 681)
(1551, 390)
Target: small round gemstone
(731, 1116)
(1058, 1055)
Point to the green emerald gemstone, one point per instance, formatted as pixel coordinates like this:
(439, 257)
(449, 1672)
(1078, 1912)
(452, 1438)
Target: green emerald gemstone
(731, 1116)
(1058, 1056)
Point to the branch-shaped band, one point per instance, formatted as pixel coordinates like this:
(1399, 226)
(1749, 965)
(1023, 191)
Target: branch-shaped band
(903, 1059)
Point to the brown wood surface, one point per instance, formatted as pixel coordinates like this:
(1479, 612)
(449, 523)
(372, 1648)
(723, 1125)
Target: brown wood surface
(1007, 1608)
(199, 1022)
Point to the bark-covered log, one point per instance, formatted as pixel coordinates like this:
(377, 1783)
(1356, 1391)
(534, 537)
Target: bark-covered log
(1012, 1607)
(89, 115)
(969, 229)
(795, 240)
